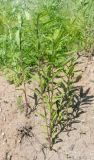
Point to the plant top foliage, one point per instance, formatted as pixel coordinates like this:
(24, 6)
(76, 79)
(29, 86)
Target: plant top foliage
(66, 25)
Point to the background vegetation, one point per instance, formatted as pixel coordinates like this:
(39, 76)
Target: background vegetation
(71, 23)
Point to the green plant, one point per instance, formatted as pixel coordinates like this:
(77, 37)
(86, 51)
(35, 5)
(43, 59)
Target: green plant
(38, 39)
(52, 58)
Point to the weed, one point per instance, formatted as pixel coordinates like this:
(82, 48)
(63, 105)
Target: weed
(38, 41)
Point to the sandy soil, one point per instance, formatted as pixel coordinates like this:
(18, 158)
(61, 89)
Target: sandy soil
(78, 144)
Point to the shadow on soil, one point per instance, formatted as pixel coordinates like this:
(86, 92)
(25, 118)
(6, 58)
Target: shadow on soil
(80, 100)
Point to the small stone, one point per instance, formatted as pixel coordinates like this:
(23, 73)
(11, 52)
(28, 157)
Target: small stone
(4, 118)
(0, 109)
(19, 141)
(3, 134)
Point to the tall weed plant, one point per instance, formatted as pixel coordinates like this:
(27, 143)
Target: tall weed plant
(38, 41)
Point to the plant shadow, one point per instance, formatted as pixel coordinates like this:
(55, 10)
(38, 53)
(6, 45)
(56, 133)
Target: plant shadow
(81, 99)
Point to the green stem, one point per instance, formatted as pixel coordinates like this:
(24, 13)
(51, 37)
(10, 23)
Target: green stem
(40, 78)
(21, 64)
(51, 110)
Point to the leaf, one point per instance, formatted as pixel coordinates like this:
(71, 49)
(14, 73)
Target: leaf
(56, 34)
(27, 15)
(17, 38)
(42, 115)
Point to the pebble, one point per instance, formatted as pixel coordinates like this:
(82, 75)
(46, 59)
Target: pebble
(3, 134)
(4, 118)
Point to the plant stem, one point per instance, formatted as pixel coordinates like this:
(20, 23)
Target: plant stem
(25, 94)
(21, 64)
(40, 80)
(51, 110)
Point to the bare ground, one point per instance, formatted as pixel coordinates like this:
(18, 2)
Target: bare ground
(78, 144)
